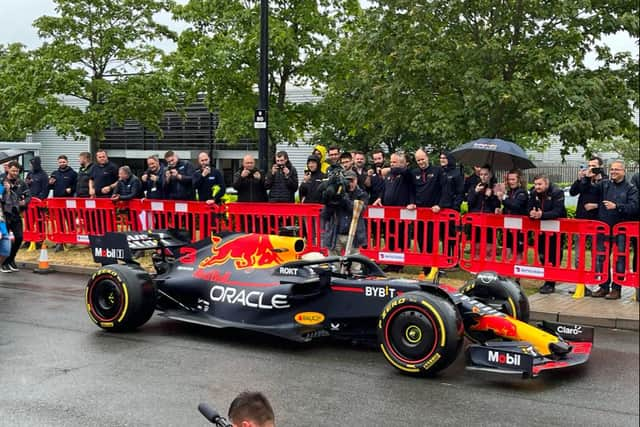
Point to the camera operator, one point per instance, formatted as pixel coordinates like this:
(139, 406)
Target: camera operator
(178, 178)
(339, 192)
(251, 409)
(208, 182)
(153, 178)
(249, 182)
(15, 199)
(282, 180)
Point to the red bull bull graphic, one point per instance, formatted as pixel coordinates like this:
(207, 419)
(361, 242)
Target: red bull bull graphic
(252, 251)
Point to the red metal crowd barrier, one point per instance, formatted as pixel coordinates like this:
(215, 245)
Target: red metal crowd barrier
(412, 236)
(626, 254)
(518, 246)
(271, 217)
(199, 218)
(564, 249)
(73, 220)
(35, 221)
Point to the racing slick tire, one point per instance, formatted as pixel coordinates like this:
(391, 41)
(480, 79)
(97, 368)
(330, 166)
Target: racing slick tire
(502, 294)
(420, 333)
(120, 297)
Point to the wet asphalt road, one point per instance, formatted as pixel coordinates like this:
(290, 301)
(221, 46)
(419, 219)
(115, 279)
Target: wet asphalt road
(58, 369)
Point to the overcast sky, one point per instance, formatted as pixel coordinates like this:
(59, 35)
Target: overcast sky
(17, 16)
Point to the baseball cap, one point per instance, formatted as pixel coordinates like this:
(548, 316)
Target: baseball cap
(350, 175)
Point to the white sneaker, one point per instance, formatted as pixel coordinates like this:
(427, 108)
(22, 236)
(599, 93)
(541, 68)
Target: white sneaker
(5, 269)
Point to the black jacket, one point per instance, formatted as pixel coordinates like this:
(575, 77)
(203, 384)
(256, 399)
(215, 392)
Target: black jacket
(154, 189)
(479, 202)
(128, 189)
(398, 188)
(551, 202)
(65, 179)
(516, 202)
(18, 192)
(282, 188)
(203, 185)
(428, 185)
(588, 194)
(309, 190)
(623, 194)
(38, 180)
(82, 183)
(250, 188)
(453, 185)
(180, 189)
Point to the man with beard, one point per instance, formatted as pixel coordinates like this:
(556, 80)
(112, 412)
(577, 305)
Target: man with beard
(84, 174)
(546, 201)
(153, 178)
(282, 180)
(374, 183)
(178, 178)
(63, 180)
(15, 199)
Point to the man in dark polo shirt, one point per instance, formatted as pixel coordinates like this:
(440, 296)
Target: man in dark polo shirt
(103, 177)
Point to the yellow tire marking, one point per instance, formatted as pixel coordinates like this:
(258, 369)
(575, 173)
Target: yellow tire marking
(126, 302)
(440, 322)
(513, 307)
(402, 368)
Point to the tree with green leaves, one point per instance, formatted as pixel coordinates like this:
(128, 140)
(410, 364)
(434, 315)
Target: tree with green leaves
(103, 52)
(218, 57)
(441, 73)
(24, 83)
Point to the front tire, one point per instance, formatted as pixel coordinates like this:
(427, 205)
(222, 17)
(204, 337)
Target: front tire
(420, 333)
(120, 297)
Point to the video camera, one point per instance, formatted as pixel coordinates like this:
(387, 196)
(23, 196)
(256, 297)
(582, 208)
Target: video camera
(335, 186)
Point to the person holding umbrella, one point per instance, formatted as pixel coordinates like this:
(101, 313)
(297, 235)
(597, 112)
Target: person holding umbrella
(546, 201)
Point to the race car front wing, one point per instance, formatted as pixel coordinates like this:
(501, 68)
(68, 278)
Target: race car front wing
(521, 358)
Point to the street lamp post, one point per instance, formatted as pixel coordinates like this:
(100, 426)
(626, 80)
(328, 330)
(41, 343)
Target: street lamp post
(263, 85)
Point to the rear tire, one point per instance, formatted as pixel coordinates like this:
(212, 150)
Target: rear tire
(120, 297)
(420, 333)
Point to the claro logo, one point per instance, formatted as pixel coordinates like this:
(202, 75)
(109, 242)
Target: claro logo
(253, 299)
(309, 318)
(504, 358)
(576, 330)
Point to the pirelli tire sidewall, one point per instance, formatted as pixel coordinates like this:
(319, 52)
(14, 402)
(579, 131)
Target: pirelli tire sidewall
(511, 297)
(120, 297)
(420, 333)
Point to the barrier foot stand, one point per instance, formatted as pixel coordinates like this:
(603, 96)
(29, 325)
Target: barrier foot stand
(432, 274)
(32, 247)
(579, 292)
(43, 262)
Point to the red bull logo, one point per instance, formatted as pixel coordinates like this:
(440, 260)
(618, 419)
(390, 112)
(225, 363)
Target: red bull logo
(246, 250)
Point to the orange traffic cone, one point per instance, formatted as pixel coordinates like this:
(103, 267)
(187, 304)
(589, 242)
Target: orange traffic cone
(43, 262)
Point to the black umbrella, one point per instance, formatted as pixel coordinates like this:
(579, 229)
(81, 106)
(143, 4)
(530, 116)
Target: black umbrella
(497, 153)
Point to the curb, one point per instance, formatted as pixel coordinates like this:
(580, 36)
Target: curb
(57, 268)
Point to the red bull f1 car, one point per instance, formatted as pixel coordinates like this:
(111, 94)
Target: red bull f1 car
(265, 283)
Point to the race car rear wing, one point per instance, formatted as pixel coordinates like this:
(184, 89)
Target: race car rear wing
(119, 246)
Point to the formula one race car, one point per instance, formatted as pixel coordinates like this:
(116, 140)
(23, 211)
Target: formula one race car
(263, 283)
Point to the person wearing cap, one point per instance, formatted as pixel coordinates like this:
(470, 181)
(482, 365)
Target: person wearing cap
(313, 177)
(336, 218)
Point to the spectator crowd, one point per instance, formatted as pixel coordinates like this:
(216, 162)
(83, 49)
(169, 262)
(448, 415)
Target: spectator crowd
(611, 198)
